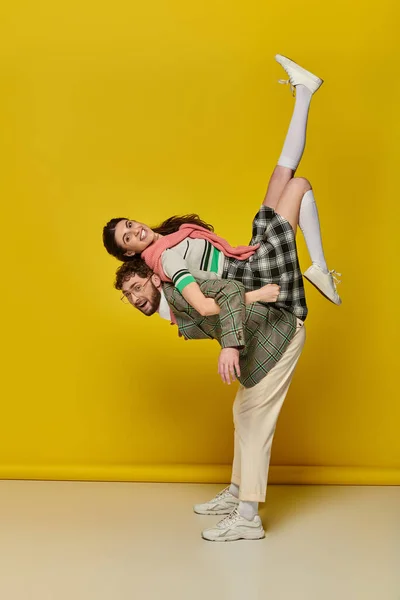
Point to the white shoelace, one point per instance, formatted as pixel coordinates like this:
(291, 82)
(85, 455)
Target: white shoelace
(288, 82)
(335, 277)
(230, 519)
(224, 493)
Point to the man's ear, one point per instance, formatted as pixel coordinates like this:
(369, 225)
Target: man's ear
(156, 281)
(129, 253)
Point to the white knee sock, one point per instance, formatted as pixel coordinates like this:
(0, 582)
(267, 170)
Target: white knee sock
(234, 490)
(309, 225)
(295, 141)
(248, 510)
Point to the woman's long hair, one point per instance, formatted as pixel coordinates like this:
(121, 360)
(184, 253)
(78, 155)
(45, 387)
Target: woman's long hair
(165, 228)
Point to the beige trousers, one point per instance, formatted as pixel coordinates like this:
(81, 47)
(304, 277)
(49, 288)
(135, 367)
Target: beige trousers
(255, 413)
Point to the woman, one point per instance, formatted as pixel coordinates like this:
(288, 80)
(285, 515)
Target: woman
(184, 248)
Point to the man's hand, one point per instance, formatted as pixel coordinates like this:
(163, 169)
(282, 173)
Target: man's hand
(228, 364)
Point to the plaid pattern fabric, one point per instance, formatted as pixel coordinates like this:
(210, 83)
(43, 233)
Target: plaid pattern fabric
(227, 327)
(275, 261)
(261, 331)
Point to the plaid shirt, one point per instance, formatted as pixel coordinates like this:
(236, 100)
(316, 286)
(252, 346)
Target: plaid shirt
(261, 331)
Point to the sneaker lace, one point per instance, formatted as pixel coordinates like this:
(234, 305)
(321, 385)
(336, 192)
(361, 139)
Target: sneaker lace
(224, 493)
(230, 519)
(288, 82)
(335, 277)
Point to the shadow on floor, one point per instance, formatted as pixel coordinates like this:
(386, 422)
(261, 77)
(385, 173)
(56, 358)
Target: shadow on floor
(286, 502)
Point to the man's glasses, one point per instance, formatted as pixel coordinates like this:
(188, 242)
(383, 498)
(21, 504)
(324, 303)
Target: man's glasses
(136, 290)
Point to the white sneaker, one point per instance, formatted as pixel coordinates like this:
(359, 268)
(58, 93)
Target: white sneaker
(235, 527)
(298, 75)
(324, 282)
(222, 504)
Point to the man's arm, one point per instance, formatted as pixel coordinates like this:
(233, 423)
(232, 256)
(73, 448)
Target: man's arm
(231, 298)
(229, 295)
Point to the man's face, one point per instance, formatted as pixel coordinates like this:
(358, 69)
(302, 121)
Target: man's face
(143, 293)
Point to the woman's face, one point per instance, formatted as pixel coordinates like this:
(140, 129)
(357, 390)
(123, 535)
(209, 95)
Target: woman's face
(134, 237)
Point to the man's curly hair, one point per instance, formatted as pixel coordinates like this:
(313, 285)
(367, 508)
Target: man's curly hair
(135, 266)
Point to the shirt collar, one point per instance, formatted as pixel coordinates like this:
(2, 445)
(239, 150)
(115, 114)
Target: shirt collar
(164, 310)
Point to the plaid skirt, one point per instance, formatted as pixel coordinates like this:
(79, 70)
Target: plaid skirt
(275, 261)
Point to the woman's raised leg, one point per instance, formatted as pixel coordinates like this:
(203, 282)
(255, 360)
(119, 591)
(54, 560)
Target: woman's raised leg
(305, 84)
(279, 180)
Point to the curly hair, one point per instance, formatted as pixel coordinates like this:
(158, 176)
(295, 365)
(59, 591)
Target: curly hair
(168, 226)
(128, 269)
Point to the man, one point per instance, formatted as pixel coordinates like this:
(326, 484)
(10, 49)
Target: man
(261, 345)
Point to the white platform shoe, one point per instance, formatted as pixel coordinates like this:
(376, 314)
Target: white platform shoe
(235, 527)
(324, 282)
(298, 75)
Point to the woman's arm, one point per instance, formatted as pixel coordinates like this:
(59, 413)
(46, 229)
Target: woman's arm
(177, 269)
(268, 293)
(207, 306)
(195, 297)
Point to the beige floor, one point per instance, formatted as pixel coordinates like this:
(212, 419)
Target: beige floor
(117, 541)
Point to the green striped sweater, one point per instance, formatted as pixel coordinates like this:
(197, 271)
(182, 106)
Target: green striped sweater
(190, 260)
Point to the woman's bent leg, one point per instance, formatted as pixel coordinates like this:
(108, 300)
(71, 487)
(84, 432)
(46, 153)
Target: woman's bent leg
(290, 201)
(297, 205)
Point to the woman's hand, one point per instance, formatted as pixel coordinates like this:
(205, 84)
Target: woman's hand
(268, 293)
(228, 364)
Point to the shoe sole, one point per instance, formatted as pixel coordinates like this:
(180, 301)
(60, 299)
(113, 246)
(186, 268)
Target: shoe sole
(289, 62)
(215, 512)
(235, 539)
(321, 292)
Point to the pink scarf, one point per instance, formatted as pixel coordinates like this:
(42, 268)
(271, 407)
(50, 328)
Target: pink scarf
(152, 254)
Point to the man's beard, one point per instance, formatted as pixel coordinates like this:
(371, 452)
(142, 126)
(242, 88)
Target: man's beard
(152, 303)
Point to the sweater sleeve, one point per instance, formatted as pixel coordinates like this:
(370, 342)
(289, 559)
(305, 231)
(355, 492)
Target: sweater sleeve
(176, 269)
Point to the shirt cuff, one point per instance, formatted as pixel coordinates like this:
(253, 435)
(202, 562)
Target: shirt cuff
(181, 279)
(233, 339)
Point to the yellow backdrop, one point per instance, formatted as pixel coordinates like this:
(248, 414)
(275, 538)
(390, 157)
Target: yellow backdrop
(168, 107)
